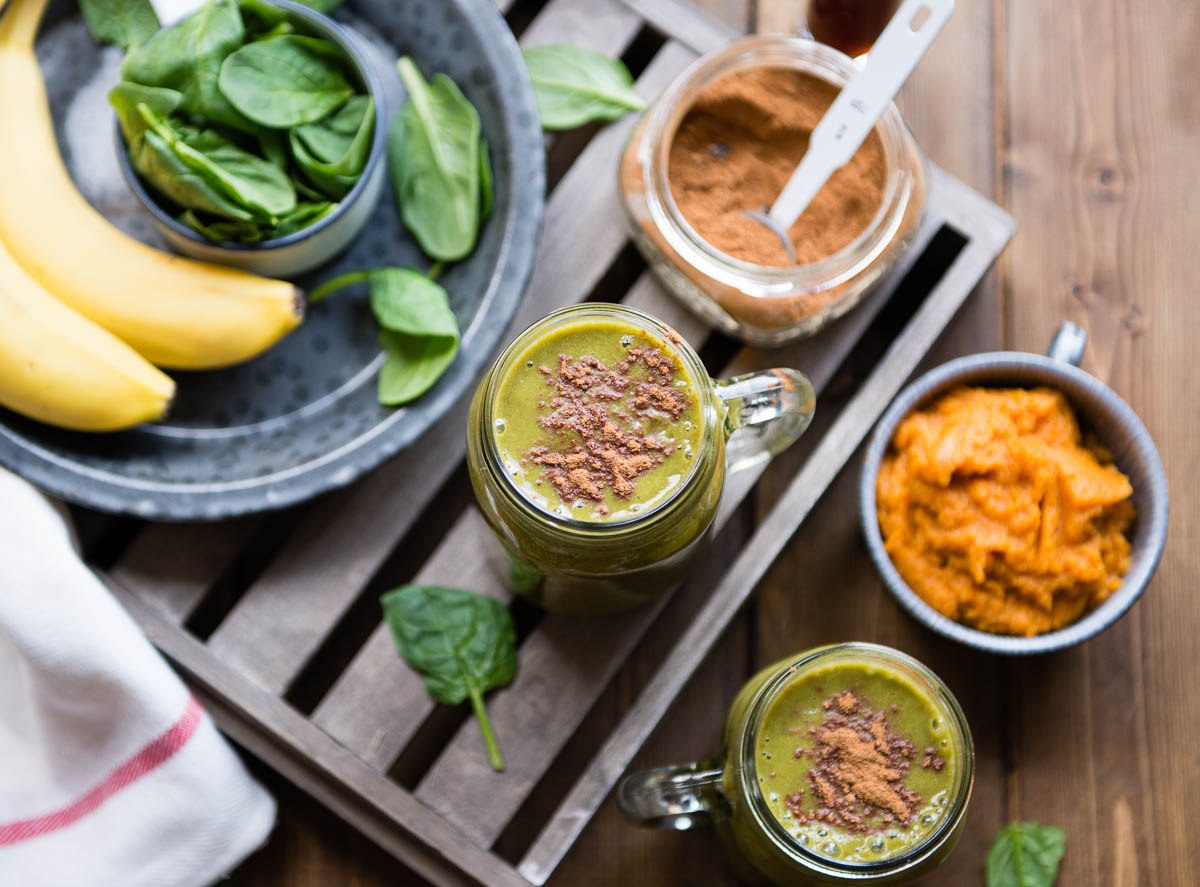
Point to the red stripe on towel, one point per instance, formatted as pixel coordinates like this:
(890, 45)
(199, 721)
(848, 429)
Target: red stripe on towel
(150, 756)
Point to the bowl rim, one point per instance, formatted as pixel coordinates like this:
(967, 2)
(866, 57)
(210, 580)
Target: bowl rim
(366, 72)
(961, 370)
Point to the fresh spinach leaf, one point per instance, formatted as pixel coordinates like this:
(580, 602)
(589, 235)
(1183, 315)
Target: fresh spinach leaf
(419, 333)
(336, 177)
(1025, 854)
(259, 17)
(462, 642)
(486, 198)
(433, 150)
(302, 216)
(574, 86)
(221, 232)
(187, 57)
(156, 161)
(124, 23)
(331, 138)
(125, 98)
(255, 184)
(325, 6)
(285, 81)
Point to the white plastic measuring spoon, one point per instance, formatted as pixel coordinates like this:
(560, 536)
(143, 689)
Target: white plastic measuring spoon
(857, 108)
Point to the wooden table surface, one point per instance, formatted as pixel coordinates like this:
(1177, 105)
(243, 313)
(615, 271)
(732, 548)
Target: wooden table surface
(1081, 117)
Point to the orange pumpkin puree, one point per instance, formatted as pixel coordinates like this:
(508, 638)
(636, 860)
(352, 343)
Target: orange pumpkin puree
(999, 516)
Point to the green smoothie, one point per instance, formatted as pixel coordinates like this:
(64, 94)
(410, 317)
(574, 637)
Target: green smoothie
(855, 763)
(598, 420)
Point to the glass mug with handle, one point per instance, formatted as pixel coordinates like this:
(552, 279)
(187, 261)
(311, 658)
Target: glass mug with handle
(643, 506)
(846, 764)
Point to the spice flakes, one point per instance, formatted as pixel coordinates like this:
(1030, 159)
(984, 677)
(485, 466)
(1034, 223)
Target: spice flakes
(858, 777)
(607, 427)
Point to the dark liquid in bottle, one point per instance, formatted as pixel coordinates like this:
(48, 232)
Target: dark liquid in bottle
(850, 25)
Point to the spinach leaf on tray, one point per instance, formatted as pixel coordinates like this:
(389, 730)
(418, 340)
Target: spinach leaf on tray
(124, 23)
(574, 86)
(433, 151)
(463, 643)
(285, 81)
(1025, 854)
(417, 328)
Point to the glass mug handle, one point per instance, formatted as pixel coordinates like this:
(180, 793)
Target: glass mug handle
(678, 797)
(769, 410)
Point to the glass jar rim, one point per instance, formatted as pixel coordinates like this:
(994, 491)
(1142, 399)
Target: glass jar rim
(942, 698)
(694, 367)
(815, 58)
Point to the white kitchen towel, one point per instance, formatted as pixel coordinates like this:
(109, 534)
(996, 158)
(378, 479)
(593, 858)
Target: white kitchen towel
(110, 772)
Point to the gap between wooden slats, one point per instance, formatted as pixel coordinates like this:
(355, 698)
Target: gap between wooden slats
(568, 662)
(685, 23)
(283, 618)
(378, 703)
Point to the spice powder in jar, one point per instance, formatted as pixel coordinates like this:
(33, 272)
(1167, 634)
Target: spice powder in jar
(736, 149)
(723, 138)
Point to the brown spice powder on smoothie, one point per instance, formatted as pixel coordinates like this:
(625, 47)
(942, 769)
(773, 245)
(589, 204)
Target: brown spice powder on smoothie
(738, 145)
(600, 422)
(859, 769)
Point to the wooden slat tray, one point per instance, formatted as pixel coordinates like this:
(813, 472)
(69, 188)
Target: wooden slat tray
(274, 619)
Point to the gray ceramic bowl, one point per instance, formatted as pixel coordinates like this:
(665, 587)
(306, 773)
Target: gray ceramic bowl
(309, 247)
(1100, 410)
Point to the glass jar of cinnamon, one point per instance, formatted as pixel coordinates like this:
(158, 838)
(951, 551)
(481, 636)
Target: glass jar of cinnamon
(723, 138)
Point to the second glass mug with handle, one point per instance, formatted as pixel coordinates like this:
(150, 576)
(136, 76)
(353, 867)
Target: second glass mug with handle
(580, 556)
(866, 782)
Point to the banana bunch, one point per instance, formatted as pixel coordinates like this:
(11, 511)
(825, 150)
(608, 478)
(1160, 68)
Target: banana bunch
(84, 309)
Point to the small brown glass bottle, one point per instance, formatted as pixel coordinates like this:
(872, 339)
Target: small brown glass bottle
(849, 25)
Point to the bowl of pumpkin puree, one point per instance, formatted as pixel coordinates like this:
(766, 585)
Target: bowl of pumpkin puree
(1014, 502)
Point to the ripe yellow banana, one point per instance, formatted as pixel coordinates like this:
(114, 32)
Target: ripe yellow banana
(176, 312)
(57, 366)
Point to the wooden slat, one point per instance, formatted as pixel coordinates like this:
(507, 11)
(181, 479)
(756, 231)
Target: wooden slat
(378, 702)
(280, 621)
(603, 25)
(802, 493)
(172, 566)
(409, 829)
(685, 23)
(568, 662)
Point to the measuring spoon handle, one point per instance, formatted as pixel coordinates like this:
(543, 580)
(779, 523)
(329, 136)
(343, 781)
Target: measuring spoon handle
(861, 103)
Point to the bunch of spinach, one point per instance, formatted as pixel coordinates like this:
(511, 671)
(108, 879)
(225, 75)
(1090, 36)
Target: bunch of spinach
(574, 86)
(1025, 854)
(417, 328)
(462, 642)
(250, 130)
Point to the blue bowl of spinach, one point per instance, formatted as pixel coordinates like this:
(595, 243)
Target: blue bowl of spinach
(250, 132)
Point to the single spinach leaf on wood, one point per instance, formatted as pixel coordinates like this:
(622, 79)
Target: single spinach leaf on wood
(418, 332)
(285, 81)
(463, 643)
(433, 151)
(574, 86)
(1025, 854)
(124, 23)
(187, 57)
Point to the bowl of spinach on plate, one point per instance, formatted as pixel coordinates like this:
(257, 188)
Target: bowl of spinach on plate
(252, 132)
